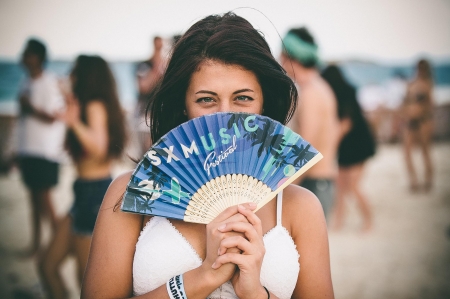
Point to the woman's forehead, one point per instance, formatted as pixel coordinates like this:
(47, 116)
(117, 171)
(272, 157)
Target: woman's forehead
(210, 72)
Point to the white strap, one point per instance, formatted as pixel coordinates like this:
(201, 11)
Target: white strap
(279, 207)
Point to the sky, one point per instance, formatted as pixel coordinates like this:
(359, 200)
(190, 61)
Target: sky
(386, 30)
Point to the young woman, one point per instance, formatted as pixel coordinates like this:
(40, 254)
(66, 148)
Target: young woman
(220, 64)
(95, 137)
(356, 146)
(418, 115)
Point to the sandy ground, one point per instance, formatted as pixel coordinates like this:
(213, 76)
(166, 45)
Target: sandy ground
(407, 255)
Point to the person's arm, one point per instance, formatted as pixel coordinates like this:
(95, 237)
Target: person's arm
(307, 226)
(309, 120)
(27, 108)
(430, 98)
(93, 136)
(53, 100)
(109, 272)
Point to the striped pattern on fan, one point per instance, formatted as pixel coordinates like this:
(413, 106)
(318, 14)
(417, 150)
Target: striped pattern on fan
(210, 163)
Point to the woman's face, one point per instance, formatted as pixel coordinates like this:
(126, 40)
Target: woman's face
(217, 87)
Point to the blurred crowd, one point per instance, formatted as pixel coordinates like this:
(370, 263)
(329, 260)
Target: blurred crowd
(81, 117)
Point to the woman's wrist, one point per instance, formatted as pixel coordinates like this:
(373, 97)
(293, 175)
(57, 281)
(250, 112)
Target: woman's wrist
(200, 282)
(259, 293)
(76, 124)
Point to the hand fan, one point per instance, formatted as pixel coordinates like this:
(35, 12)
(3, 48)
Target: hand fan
(209, 163)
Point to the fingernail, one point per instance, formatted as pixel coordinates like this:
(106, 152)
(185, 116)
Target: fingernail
(222, 227)
(218, 252)
(252, 205)
(213, 266)
(241, 207)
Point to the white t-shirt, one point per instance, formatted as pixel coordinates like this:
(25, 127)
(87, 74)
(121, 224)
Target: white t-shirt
(35, 137)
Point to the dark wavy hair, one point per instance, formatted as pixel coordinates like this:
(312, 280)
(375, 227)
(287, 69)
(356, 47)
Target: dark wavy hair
(229, 39)
(94, 81)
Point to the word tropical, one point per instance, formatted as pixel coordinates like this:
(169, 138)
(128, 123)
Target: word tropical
(173, 154)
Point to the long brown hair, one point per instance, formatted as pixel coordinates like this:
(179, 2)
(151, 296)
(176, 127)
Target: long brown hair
(93, 81)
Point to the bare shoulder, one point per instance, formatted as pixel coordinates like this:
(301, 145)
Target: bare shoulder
(301, 209)
(96, 106)
(111, 220)
(116, 189)
(317, 94)
(110, 210)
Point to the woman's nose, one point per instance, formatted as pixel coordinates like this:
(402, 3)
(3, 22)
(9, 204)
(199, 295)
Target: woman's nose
(225, 106)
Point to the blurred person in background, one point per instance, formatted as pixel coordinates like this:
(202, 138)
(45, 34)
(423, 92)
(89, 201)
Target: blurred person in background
(395, 94)
(149, 73)
(356, 146)
(95, 137)
(40, 136)
(417, 113)
(316, 117)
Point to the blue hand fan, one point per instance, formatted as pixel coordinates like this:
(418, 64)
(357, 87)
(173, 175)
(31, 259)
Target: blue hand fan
(209, 163)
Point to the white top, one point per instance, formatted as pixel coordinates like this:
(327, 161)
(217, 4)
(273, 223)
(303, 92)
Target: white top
(162, 252)
(35, 137)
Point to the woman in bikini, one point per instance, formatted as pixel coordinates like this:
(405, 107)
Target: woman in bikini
(221, 64)
(95, 137)
(418, 115)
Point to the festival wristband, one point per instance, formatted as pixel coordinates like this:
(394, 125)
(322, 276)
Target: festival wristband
(175, 287)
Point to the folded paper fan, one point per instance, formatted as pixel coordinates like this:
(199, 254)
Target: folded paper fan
(210, 163)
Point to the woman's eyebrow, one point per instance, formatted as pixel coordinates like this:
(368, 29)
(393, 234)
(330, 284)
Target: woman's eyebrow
(206, 91)
(243, 90)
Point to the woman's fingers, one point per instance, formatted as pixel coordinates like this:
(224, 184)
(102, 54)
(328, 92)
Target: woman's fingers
(227, 213)
(246, 228)
(231, 243)
(251, 217)
(241, 260)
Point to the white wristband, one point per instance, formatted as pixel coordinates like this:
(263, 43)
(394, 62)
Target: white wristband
(175, 287)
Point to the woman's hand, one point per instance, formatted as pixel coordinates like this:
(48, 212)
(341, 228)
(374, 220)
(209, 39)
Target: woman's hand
(71, 115)
(246, 279)
(225, 271)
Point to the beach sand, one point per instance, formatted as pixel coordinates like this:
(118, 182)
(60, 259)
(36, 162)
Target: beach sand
(406, 255)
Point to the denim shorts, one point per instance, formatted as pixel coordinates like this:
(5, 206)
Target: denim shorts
(38, 173)
(88, 199)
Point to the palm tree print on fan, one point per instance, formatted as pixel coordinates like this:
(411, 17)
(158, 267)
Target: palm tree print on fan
(143, 200)
(302, 154)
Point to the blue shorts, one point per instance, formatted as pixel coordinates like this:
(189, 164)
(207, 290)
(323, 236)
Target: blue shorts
(38, 173)
(88, 199)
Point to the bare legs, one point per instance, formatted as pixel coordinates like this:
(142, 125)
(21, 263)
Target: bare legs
(42, 208)
(63, 244)
(426, 132)
(422, 137)
(348, 183)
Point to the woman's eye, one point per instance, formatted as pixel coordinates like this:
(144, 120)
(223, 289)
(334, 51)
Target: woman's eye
(205, 100)
(244, 98)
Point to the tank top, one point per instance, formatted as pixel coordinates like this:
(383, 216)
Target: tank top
(162, 252)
